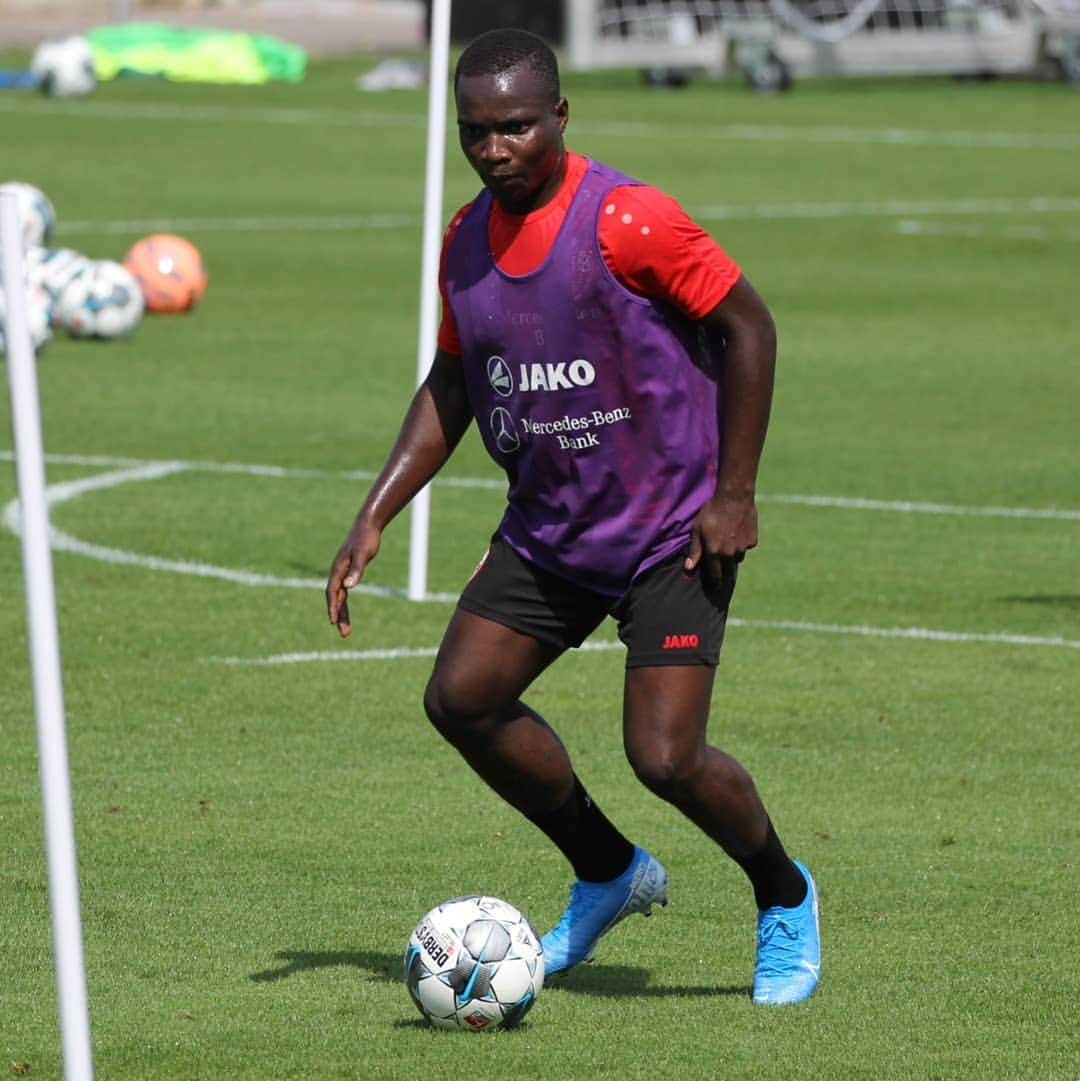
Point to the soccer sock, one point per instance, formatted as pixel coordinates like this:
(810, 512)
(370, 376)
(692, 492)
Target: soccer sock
(776, 880)
(597, 851)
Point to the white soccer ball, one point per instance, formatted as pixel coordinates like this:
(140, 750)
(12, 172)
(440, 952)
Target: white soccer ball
(474, 963)
(104, 301)
(36, 214)
(54, 269)
(64, 67)
(38, 317)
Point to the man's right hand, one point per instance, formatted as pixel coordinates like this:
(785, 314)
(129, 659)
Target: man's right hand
(359, 549)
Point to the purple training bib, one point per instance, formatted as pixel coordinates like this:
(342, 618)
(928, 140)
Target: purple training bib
(594, 400)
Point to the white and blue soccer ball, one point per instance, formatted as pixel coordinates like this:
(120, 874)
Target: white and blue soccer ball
(64, 67)
(38, 317)
(103, 301)
(36, 214)
(54, 269)
(474, 963)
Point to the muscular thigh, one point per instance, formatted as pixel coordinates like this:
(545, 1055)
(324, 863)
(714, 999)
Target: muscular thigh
(666, 711)
(483, 666)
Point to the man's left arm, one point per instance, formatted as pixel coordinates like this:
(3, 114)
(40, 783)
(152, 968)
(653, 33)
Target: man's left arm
(726, 527)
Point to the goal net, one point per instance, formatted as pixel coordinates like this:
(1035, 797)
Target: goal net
(807, 37)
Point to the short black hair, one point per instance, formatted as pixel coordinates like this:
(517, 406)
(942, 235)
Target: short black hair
(500, 51)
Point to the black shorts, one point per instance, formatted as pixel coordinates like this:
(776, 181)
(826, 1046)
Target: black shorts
(666, 617)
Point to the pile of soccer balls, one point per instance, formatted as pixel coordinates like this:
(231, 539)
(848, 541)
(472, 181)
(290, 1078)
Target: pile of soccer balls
(474, 963)
(98, 298)
(64, 67)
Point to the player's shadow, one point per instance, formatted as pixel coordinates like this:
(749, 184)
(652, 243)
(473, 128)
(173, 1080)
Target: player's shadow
(605, 981)
(1050, 600)
(623, 981)
(379, 965)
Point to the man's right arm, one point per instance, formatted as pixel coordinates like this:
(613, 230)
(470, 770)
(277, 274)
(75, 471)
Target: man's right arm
(434, 424)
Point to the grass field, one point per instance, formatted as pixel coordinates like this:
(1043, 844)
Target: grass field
(257, 838)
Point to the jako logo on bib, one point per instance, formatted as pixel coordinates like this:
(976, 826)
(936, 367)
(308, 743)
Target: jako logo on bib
(561, 376)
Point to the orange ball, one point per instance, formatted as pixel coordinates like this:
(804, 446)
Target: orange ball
(169, 270)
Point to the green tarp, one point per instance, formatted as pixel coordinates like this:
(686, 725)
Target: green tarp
(194, 55)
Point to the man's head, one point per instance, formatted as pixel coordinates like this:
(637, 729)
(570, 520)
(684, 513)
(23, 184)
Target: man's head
(511, 117)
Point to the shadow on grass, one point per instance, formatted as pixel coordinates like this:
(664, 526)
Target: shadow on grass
(623, 981)
(420, 1025)
(1058, 600)
(381, 966)
(615, 981)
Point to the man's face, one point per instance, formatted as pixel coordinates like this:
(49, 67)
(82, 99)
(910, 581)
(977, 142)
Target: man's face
(512, 134)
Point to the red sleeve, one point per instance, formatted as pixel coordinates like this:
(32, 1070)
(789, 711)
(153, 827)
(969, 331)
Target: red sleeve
(447, 338)
(655, 249)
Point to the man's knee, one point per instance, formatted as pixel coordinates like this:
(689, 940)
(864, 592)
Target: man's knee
(456, 707)
(443, 705)
(666, 770)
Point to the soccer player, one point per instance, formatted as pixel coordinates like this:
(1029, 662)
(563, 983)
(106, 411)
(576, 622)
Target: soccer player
(619, 367)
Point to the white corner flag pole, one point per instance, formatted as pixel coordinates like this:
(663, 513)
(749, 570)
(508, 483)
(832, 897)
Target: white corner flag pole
(45, 656)
(438, 76)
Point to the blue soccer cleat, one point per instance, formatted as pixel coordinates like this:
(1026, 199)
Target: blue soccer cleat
(595, 907)
(788, 950)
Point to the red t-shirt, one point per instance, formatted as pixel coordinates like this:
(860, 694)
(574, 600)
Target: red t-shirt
(647, 240)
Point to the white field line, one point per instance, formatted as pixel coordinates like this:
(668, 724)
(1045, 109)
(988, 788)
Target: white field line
(906, 507)
(909, 633)
(911, 227)
(247, 469)
(351, 118)
(131, 470)
(779, 133)
(890, 208)
(341, 223)
(1041, 204)
(403, 653)
(105, 110)
(64, 542)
